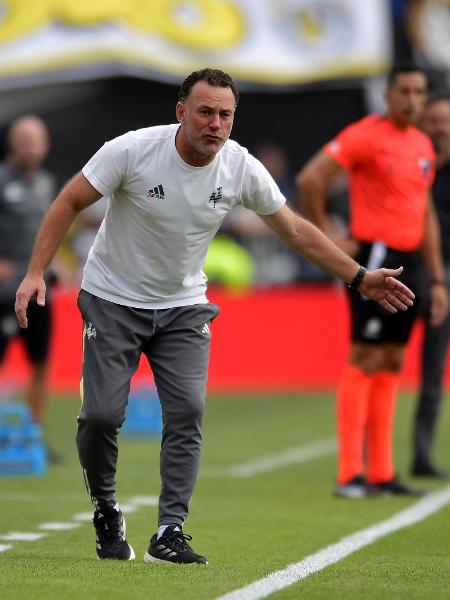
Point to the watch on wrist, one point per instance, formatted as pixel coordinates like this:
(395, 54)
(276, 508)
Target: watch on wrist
(354, 283)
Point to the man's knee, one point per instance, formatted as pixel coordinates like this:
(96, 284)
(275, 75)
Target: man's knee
(377, 357)
(185, 410)
(100, 420)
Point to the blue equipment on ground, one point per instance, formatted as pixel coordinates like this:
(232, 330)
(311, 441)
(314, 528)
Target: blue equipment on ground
(22, 449)
(143, 415)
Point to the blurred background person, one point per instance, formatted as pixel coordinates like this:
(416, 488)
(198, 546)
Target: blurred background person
(274, 263)
(390, 163)
(26, 191)
(436, 123)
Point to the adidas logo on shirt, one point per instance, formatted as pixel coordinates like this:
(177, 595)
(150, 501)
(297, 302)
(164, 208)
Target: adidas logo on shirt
(157, 192)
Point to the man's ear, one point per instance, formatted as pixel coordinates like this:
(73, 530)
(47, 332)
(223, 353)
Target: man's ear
(180, 112)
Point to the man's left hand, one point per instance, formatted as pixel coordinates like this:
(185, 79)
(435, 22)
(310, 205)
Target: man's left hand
(382, 286)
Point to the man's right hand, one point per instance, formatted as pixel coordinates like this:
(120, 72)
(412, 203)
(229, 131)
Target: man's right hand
(31, 285)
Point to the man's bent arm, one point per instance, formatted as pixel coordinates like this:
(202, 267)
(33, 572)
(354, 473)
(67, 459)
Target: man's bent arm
(312, 182)
(76, 195)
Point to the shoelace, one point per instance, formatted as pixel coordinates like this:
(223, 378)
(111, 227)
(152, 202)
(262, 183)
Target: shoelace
(179, 540)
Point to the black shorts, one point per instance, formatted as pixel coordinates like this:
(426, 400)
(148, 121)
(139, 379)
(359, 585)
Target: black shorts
(36, 337)
(369, 321)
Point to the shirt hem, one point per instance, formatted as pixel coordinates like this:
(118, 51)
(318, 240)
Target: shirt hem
(200, 299)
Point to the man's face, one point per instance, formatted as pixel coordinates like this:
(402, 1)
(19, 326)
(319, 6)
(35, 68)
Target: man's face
(206, 116)
(406, 98)
(436, 124)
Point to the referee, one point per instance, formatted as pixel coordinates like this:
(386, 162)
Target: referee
(391, 169)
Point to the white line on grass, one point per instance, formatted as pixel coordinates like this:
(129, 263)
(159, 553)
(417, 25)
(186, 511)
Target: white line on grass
(133, 504)
(31, 497)
(17, 536)
(58, 526)
(83, 517)
(144, 500)
(331, 554)
(272, 462)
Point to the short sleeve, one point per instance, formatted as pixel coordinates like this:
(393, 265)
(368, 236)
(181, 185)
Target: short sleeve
(107, 169)
(351, 146)
(260, 193)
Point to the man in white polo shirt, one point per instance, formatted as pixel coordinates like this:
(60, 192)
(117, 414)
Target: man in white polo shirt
(144, 291)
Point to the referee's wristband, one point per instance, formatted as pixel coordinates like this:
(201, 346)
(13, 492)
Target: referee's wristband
(354, 283)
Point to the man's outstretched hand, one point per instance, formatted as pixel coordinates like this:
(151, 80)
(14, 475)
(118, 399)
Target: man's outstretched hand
(31, 285)
(382, 286)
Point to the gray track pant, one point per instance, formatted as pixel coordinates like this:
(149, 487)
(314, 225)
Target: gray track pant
(176, 343)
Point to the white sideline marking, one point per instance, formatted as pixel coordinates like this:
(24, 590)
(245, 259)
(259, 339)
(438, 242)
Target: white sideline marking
(144, 500)
(83, 517)
(27, 497)
(128, 508)
(275, 461)
(58, 526)
(331, 554)
(22, 537)
(133, 504)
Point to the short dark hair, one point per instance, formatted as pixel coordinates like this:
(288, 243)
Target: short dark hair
(438, 96)
(214, 77)
(401, 69)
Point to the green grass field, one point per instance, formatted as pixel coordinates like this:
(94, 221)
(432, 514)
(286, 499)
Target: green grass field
(246, 526)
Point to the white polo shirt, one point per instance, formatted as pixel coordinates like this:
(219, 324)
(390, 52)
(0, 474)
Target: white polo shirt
(162, 215)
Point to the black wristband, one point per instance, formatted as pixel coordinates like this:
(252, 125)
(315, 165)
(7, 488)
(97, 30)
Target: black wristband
(354, 283)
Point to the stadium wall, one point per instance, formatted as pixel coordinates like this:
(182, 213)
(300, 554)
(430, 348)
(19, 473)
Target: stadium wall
(282, 339)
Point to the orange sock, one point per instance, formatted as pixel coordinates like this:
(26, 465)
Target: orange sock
(381, 411)
(351, 408)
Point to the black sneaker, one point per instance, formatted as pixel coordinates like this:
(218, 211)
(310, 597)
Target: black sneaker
(172, 547)
(420, 469)
(354, 489)
(110, 533)
(394, 487)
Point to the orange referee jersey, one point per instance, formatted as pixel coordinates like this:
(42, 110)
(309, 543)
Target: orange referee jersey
(390, 171)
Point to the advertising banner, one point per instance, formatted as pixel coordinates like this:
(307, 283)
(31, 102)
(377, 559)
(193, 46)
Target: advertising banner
(259, 42)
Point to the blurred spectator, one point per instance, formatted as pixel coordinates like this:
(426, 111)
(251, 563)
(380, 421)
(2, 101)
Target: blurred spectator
(436, 124)
(274, 263)
(276, 161)
(26, 191)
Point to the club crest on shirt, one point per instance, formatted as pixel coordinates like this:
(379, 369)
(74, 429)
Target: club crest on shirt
(216, 196)
(425, 166)
(334, 147)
